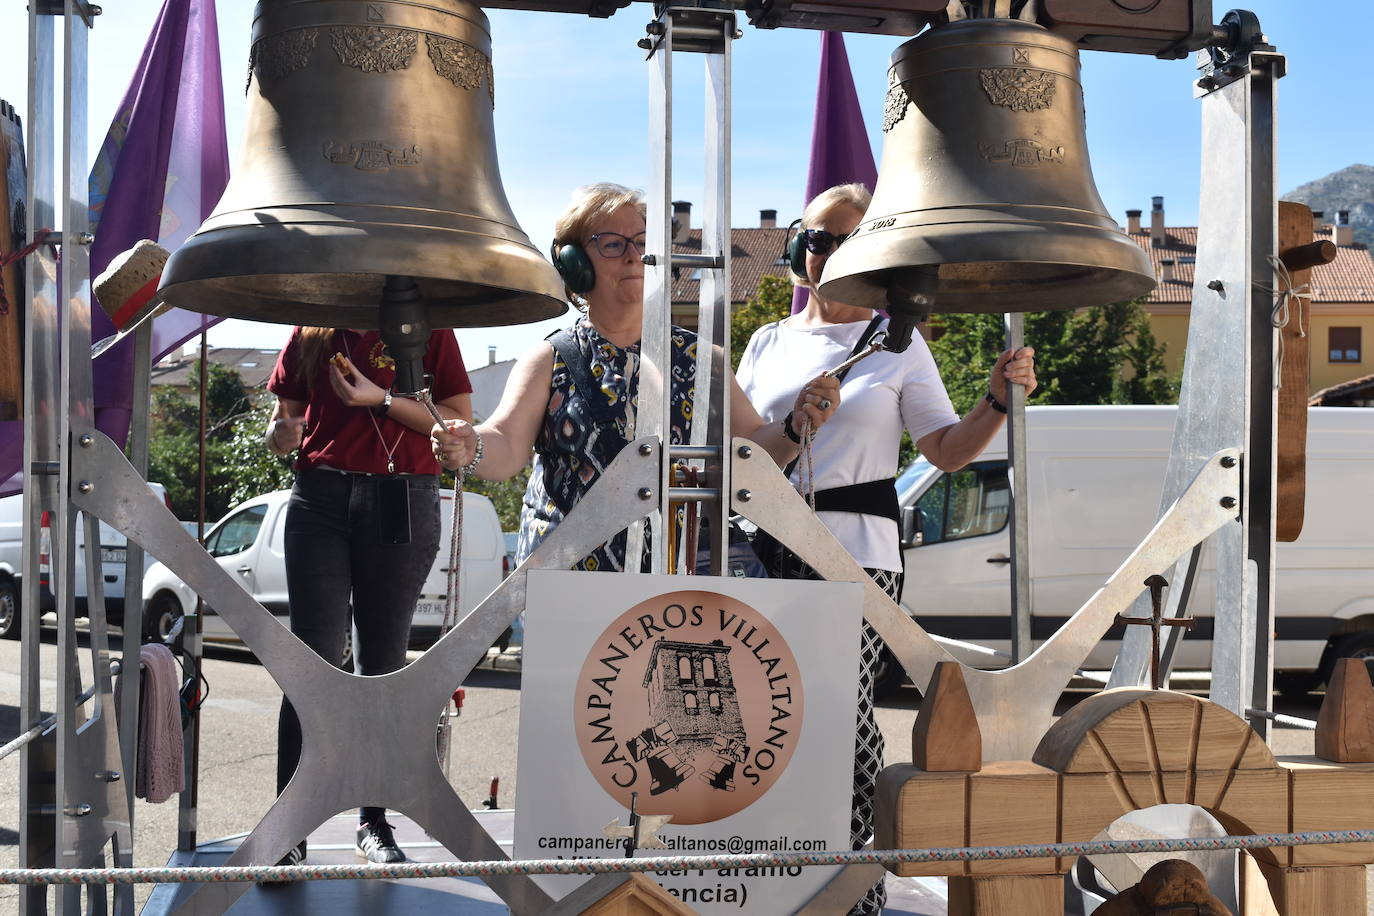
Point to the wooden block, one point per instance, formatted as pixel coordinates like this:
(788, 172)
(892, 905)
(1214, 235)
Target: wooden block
(1013, 801)
(946, 737)
(639, 896)
(1345, 725)
(1303, 891)
(1290, 440)
(1331, 796)
(1249, 801)
(913, 809)
(1091, 801)
(999, 895)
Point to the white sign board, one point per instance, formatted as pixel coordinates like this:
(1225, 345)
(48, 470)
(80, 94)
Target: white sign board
(727, 703)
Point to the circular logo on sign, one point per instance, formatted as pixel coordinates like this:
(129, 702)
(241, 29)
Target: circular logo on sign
(692, 699)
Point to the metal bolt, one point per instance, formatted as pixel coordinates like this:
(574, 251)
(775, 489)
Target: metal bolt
(80, 810)
(1216, 285)
(645, 493)
(645, 43)
(646, 449)
(1228, 502)
(745, 451)
(648, 260)
(85, 239)
(1229, 461)
(109, 776)
(655, 28)
(1207, 82)
(85, 486)
(738, 34)
(744, 496)
(85, 441)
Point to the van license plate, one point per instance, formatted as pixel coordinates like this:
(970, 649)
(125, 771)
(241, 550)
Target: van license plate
(430, 607)
(113, 554)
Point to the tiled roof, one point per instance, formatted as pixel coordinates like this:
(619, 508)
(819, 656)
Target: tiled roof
(754, 253)
(1349, 278)
(253, 366)
(1350, 387)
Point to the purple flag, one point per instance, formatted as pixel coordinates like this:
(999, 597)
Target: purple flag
(839, 142)
(159, 173)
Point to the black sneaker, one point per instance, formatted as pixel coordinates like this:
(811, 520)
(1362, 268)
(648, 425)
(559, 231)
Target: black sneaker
(294, 856)
(376, 844)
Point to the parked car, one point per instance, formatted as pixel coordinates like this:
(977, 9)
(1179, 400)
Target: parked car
(249, 543)
(113, 556)
(1095, 479)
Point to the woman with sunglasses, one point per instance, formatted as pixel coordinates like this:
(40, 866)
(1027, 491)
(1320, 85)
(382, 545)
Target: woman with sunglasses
(577, 428)
(854, 458)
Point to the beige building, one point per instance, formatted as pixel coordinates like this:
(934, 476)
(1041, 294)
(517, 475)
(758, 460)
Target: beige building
(1339, 318)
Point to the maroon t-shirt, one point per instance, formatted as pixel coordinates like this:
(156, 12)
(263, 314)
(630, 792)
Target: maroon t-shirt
(344, 437)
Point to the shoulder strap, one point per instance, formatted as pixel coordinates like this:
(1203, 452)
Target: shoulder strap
(564, 343)
(864, 338)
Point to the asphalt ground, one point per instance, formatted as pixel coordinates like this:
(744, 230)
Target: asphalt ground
(238, 747)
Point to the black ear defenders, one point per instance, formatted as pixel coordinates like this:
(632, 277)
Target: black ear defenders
(574, 267)
(795, 250)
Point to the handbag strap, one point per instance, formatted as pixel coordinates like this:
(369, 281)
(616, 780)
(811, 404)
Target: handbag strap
(564, 343)
(864, 338)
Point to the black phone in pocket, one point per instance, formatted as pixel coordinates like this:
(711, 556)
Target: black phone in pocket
(393, 510)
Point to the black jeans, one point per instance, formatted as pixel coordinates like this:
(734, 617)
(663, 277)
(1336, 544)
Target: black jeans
(335, 560)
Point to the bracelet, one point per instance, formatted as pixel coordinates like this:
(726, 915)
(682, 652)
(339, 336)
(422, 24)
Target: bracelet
(787, 429)
(476, 456)
(996, 404)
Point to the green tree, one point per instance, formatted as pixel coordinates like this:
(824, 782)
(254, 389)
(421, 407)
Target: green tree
(1102, 355)
(771, 302)
(238, 465)
(506, 495)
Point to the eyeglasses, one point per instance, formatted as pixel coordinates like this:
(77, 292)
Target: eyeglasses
(820, 242)
(614, 245)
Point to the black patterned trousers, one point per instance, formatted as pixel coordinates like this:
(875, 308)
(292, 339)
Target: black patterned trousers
(868, 740)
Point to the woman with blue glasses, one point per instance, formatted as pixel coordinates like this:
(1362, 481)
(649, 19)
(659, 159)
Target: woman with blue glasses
(854, 458)
(572, 398)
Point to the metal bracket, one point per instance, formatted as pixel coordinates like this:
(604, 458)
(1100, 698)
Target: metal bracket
(87, 11)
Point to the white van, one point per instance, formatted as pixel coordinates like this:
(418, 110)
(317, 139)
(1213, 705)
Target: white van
(113, 550)
(249, 544)
(1095, 479)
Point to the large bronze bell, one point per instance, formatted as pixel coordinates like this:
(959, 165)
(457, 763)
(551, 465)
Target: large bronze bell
(985, 201)
(368, 152)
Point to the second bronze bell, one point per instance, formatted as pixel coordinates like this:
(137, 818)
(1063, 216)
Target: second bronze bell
(985, 200)
(369, 151)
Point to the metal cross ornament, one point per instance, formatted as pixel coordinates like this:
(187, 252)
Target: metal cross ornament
(1156, 584)
(640, 832)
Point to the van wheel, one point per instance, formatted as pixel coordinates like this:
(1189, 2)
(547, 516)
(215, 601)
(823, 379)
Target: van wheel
(346, 663)
(1294, 686)
(1356, 645)
(161, 614)
(9, 610)
(889, 677)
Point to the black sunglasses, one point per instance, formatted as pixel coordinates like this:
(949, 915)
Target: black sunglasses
(820, 242)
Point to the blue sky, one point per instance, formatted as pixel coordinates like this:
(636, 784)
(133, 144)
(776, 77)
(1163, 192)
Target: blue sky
(572, 107)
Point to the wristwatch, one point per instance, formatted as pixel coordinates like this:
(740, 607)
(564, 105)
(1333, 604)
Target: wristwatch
(382, 408)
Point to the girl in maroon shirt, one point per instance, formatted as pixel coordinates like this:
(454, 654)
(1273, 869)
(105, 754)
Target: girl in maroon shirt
(362, 525)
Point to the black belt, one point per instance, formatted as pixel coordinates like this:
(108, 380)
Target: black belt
(873, 497)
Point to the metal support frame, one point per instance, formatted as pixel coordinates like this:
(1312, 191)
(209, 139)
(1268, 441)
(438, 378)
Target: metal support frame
(1230, 326)
(1022, 611)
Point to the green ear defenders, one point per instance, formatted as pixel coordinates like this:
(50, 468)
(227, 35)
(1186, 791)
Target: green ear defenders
(576, 269)
(795, 252)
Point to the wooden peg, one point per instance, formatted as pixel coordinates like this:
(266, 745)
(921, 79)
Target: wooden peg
(946, 737)
(1345, 725)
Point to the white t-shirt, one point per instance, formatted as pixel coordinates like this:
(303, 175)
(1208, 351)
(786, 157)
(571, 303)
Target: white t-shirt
(878, 397)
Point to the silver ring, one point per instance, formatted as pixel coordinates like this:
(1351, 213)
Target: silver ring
(824, 404)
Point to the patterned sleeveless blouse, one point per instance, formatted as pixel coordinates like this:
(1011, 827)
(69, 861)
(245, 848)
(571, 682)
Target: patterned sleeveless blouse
(573, 449)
